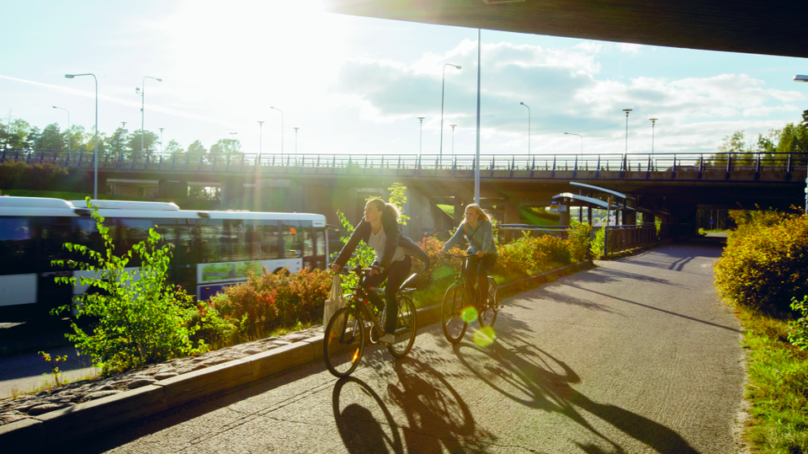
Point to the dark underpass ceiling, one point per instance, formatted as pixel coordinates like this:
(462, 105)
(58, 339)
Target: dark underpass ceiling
(750, 26)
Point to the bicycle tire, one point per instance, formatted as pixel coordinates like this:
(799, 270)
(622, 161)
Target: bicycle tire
(454, 327)
(341, 354)
(490, 310)
(406, 327)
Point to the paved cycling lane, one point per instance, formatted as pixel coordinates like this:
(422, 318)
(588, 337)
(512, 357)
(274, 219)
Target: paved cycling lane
(635, 355)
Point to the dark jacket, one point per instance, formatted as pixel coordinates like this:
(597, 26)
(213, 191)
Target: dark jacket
(394, 239)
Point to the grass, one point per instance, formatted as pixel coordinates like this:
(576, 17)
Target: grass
(777, 386)
(704, 232)
(448, 209)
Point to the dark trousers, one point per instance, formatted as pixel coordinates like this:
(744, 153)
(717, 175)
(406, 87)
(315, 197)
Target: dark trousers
(476, 271)
(397, 273)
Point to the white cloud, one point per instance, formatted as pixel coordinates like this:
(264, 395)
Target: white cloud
(629, 48)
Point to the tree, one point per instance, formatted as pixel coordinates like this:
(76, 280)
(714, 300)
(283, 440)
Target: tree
(149, 141)
(15, 134)
(197, 148)
(51, 138)
(734, 145)
(75, 137)
(174, 148)
(227, 147)
(118, 141)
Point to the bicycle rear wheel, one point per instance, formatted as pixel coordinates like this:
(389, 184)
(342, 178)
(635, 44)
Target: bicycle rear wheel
(454, 326)
(405, 327)
(344, 341)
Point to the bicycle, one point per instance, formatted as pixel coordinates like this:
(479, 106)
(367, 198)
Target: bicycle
(459, 307)
(358, 321)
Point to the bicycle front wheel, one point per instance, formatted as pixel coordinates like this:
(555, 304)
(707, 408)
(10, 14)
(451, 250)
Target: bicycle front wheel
(344, 341)
(454, 326)
(405, 327)
(489, 308)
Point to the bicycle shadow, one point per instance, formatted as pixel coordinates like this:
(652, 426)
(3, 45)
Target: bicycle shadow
(434, 417)
(532, 377)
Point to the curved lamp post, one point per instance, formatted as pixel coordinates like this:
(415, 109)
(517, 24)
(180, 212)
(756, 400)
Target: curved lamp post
(453, 127)
(95, 151)
(627, 112)
(421, 136)
(279, 110)
(143, 109)
(68, 126)
(528, 127)
(582, 141)
(442, 91)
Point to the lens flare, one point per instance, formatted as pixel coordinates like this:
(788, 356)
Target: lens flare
(355, 355)
(484, 336)
(468, 314)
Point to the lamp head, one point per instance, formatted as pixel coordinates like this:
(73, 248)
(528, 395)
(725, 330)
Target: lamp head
(55, 107)
(800, 78)
(159, 80)
(459, 67)
(627, 111)
(69, 76)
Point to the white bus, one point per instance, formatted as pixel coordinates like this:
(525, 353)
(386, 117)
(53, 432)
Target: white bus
(211, 249)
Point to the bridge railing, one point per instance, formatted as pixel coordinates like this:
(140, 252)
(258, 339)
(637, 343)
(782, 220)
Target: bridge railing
(690, 166)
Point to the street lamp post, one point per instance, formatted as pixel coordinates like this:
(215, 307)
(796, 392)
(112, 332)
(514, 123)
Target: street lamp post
(442, 91)
(296, 128)
(582, 141)
(528, 127)
(802, 78)
(260, 135)
(279, 110)
(453, 127)
(161, 140)
(653, 124)
(143, 109)
(421, 137)
(68, 126)
(95, 151)
(627, 112)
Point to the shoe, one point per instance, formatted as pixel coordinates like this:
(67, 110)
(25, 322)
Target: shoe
(388, 339)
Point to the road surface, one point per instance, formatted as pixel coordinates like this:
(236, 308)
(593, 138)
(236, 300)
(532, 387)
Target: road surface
(636, 355)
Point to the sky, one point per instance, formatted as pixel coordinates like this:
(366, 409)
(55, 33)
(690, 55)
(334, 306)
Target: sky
(357, 85)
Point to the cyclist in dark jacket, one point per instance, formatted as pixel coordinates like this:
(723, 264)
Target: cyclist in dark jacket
(379, 229)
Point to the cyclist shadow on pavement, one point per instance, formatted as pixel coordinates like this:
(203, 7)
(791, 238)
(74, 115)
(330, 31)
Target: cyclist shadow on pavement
(532, 377)
(433, 417)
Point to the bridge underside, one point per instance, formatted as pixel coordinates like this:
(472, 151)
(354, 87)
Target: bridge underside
(748, 26)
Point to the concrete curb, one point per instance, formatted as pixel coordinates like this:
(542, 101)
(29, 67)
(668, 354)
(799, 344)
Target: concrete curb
(52, 430)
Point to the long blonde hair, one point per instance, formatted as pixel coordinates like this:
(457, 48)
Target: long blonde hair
(482, 215)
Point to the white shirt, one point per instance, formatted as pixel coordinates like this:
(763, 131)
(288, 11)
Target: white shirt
(376, 241)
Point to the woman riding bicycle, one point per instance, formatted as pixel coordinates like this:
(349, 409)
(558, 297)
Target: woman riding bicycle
(379, 229)
(479, 232)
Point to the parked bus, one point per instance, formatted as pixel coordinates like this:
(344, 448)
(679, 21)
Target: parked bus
(211, 249)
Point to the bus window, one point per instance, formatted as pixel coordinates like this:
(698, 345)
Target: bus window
(293, 239)
(266, 236)
(234, 240)
(319, 248)
(129, 233)
(209, 233)
(54, 233)
(16, 246)
(85, 233)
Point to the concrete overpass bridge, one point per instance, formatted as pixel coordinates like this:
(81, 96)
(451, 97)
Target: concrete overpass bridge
(670, 185)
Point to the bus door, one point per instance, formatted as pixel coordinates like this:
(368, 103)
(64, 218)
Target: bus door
(54, 232)
(319, 259)
(186, 255)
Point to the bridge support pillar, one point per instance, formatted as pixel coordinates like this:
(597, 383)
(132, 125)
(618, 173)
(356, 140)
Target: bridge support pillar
(459, 211)
(175, 190)
(512, 215)
(232, 188)
(418, 209)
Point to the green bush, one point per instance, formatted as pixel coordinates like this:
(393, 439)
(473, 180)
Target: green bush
(272, 300)
(799, 327)
(141, 319)
(578, 237)
(765, 263)
(598, 246)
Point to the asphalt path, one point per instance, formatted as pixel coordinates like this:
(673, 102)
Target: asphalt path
(636, 355)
